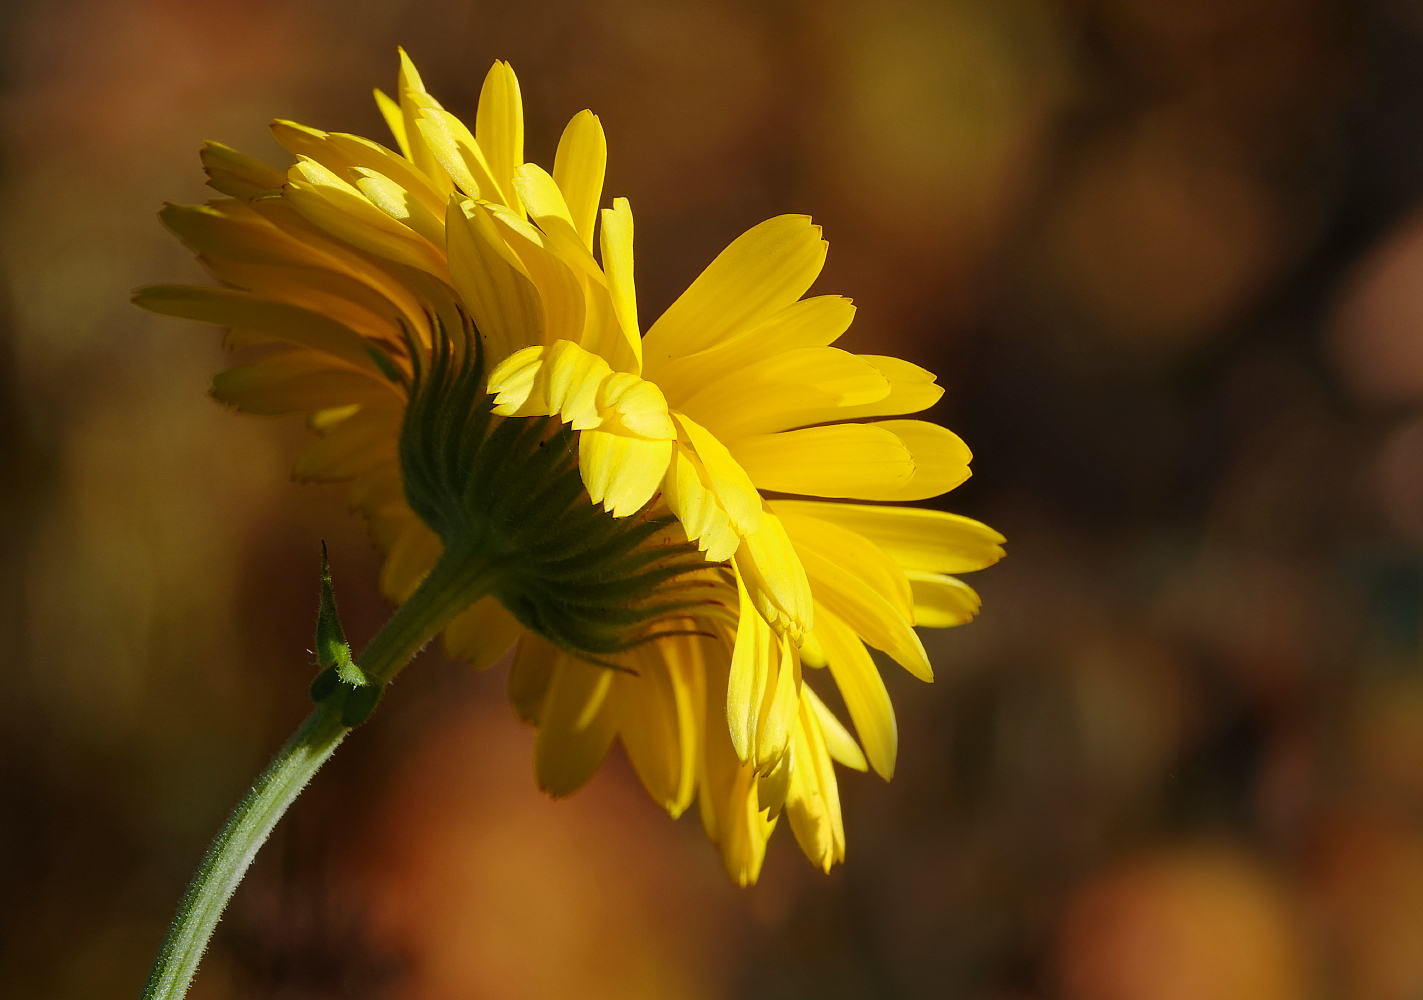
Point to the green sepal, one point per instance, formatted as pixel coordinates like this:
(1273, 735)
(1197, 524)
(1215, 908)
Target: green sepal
(505, 493)
(324, 685)
(359, 703)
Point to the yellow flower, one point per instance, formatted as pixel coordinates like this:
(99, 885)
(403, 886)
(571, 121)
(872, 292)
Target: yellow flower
(353, 268)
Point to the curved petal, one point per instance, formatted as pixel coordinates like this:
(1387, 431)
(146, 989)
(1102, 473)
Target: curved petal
(863, 690)
(482, 633)
(765, 269)
(576, 726)
(861, 461)
(930, 541)
(941, 601)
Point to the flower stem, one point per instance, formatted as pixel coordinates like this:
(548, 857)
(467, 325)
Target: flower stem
(454, 584)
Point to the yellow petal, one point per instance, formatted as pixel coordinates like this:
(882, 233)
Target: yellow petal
(660, 710)
(411, 558)
(813, 803)
(863, 691)
(775, 577)
(451, 143)
(341, 210)
(771, 394)
(394, 120)
(860, 461)
(230, 307)
(530, 675)
(361, 152)
(360, 442)
(763, 270)
(236, 174)
(940, 459)
(297, 380)
(911, 389)
(413, 100)
(941, 601)
(838, 741)
(564, 302)
(750, 674)
(620, 472)
(686, 489)
(616, 241)
(546, 207)
(492, 283)
(929, 541)
(576, 727)
(838, 587)
(726, 788)
(578, 169)
(482, 633)
(499, 129)
(814, 322)
(848, 548)
(733, 487)
(396, 202)
(778, 711)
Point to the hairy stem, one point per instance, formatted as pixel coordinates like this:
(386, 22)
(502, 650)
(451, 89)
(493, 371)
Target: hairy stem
(455, 583)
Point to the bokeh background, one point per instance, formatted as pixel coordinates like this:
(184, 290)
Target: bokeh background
(1167, 257)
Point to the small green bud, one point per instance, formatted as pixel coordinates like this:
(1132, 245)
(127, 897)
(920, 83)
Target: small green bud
(332, 649)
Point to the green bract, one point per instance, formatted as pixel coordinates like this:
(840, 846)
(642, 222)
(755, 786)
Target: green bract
(504, 494)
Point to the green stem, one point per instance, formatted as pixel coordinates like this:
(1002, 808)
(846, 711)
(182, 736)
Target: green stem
(453, 585)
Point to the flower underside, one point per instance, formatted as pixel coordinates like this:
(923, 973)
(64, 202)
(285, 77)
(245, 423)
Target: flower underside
(505, 494)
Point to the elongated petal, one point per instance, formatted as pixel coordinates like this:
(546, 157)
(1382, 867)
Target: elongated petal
(578, 169)
(838, 741)
(763, 270)
(775, 577)
(564, 301)
(616, 238)
(839, 588)
(414, 99)
(930, 541)
(750, 675)
(492, 282)
(940, 459)
(394, 120)
(860, 461)
(814, 322)
(848, 548)
(813, 803)
(296, 381)
(233, 308)
(546, 206)
(359, 443)
(481, 634)
(659, 721)
(687, 491)
(454, 147)
(343, 211)
(733, 487)
(576, 727)
(499, 128)
(863, 690)
(400, 205)
(621, 472)
(941, 601)
(770, 394)
(530, 675)
(911, 389)
(411, 558)
(237, 174)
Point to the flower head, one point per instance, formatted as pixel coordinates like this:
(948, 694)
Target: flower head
(665, 594)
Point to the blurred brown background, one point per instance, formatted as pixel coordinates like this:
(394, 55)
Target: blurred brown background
(1167, 256)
